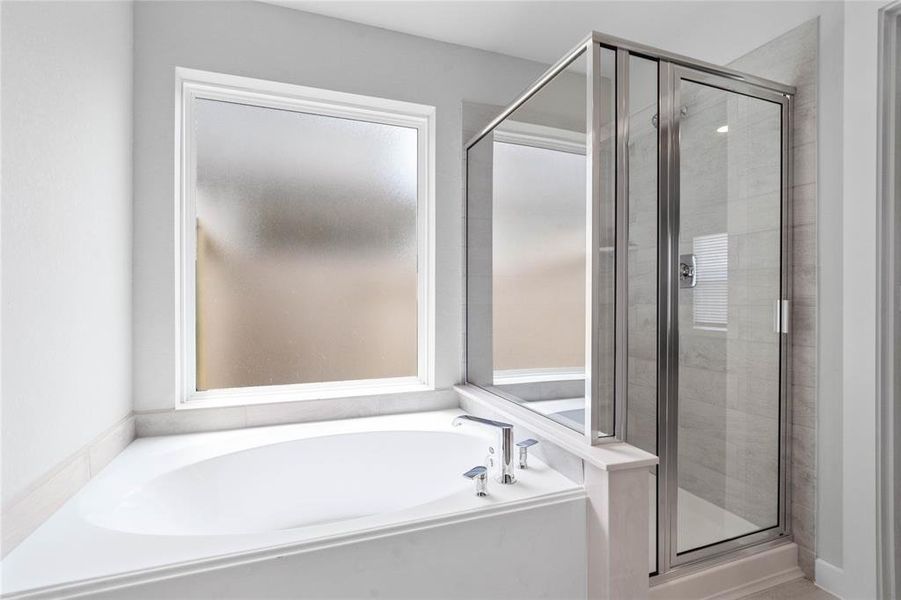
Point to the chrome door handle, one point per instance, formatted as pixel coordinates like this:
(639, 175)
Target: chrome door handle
(780, 316)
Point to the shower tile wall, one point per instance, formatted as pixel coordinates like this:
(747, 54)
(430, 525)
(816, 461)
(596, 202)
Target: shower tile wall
(729, 373)
(792, 58)
(703, 470)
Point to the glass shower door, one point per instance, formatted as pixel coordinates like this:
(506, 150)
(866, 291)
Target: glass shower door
(729, 322)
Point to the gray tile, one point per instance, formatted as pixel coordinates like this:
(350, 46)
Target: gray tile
(804, 283)
(803, 325)
(803, 491)
(806, 560)
(171, 422)
(804, 365)
(803, 524)
(804, 405)
(703, 351)
(804, 244)
(804, 447)
(805, 124)
(805, 164)
(804, 204)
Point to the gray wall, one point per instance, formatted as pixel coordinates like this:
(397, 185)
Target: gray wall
(279, 44)
(67, 125)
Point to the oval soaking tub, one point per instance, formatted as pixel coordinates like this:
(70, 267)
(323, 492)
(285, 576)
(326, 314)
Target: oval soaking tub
(345, 508)
(298, 483)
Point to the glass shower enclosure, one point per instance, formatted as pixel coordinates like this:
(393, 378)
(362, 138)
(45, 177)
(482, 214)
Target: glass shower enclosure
(628, 278)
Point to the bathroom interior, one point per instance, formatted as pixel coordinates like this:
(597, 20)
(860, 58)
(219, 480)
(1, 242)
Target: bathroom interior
(308, 299)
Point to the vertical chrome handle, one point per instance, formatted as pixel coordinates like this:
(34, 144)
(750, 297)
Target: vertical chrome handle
(480, 476)
(780, 316)
(524, 452)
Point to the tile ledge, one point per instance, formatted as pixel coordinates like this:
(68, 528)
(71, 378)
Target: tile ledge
(48, 493)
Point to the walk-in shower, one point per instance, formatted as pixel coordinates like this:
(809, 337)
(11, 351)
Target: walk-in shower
(628, 277)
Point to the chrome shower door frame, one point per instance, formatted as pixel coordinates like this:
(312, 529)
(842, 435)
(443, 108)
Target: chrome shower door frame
(669, 560)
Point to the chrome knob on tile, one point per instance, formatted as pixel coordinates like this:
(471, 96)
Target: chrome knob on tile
(480, 476)
(688, 271)
(524, 452)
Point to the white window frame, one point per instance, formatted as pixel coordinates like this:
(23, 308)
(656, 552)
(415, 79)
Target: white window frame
(191, 85)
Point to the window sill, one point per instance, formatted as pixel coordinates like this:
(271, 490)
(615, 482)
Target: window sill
(300, 393)
(514, 376)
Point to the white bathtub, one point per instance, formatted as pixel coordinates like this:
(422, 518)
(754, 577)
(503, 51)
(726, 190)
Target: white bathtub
(353, 508)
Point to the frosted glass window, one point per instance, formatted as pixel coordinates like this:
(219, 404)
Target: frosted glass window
(306, 247)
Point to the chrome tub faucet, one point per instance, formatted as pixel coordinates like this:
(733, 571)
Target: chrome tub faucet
(505, 444)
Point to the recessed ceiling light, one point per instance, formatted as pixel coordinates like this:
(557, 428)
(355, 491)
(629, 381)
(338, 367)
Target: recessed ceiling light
(722, 129)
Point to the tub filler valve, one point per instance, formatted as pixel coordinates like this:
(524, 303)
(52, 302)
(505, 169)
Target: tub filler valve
(524, 452)
(480, 476)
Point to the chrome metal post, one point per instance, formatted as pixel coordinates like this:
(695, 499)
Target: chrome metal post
(593, 225)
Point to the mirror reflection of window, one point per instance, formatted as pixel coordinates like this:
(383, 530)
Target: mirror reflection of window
(539, 256)
(711, 295)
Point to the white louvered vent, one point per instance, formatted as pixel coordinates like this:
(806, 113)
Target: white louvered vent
(711, 296)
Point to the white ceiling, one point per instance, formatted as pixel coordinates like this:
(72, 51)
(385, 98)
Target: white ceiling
(717, 31)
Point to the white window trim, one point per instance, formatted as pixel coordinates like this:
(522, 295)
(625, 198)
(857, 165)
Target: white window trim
(538, 375)
(541, 136)
(191, 84)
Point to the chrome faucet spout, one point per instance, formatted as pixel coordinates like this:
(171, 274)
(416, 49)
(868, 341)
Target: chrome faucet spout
(505, 444)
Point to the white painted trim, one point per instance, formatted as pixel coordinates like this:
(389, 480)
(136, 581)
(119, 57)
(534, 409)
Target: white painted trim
(513, 376)
(612, 456)
(734, 579)
(45, 496)
(541, 136)
(829, 577)
(859, 247)
(125, 580)
(191, 85)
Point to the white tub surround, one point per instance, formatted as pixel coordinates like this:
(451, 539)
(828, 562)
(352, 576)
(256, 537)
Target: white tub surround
(616, 482)
(341, 508)
(51, 491)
